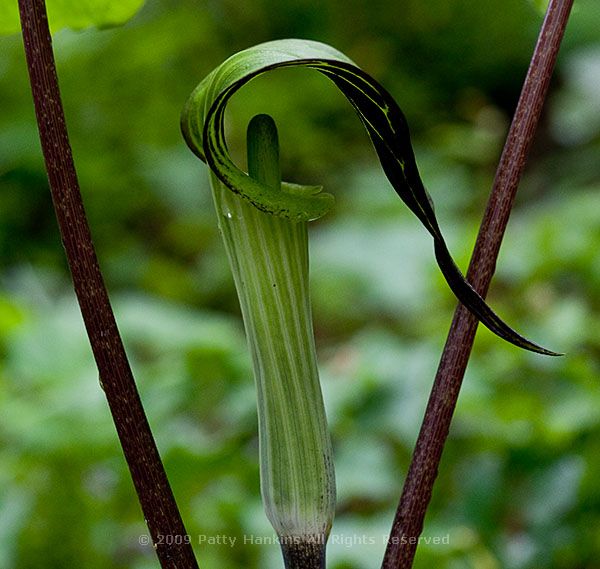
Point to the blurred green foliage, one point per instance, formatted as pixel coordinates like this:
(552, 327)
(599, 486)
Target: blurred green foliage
(75, 14)
(518, 486)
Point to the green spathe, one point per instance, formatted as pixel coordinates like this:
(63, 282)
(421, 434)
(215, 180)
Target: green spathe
(269, 259)
(202, 125)
(75, 14)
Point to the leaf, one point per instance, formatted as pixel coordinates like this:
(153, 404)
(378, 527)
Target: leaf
(202, 125)
(75, 14)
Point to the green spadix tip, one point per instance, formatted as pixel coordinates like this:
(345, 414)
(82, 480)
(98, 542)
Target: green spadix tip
(263, 151)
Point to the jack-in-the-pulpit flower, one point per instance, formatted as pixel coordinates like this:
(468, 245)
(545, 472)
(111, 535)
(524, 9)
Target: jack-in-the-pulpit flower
(269, 259)
(264, 225)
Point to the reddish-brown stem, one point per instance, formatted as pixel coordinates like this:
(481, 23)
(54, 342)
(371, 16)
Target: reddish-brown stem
(416, 494)
(148, 474)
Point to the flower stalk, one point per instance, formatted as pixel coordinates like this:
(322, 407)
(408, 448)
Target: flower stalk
(156, 498)
(425, 462)
(269, 259)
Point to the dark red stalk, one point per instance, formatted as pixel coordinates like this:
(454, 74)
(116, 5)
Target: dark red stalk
(148, 474)
(416, 494)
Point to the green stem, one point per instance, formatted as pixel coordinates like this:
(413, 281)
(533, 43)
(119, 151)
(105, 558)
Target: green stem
(269, 260)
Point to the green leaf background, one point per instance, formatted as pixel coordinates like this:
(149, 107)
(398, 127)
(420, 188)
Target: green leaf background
(74, 14)
(518, 485)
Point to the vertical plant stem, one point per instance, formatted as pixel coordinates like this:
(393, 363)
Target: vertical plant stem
(155, 495)
(416, 494)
